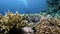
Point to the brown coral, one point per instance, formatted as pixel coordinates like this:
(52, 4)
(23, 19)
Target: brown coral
(47, 26)
(12, 20)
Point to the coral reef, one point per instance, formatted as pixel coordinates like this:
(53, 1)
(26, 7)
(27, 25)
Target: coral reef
(53, 9)
(11, 20)
(48, 26)
(25, 24)
(46, 22)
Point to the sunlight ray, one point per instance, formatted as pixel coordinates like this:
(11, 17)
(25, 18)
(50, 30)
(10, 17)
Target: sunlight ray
(25, 2)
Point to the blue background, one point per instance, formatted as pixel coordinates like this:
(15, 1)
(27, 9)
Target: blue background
(24, 7)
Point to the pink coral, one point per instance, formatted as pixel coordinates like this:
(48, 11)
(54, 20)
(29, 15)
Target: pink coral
(28, 30)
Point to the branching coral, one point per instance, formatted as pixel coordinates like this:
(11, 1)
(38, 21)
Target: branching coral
(12, 20)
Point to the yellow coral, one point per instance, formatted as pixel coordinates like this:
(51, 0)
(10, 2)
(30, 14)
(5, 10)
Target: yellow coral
(12, 20)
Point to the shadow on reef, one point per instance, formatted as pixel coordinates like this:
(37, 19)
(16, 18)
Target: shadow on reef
(15, 31)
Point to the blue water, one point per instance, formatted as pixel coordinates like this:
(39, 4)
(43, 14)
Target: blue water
(23, 6)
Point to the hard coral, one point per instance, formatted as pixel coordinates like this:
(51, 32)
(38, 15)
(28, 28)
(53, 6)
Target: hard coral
(47, 26)
(11, 20)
